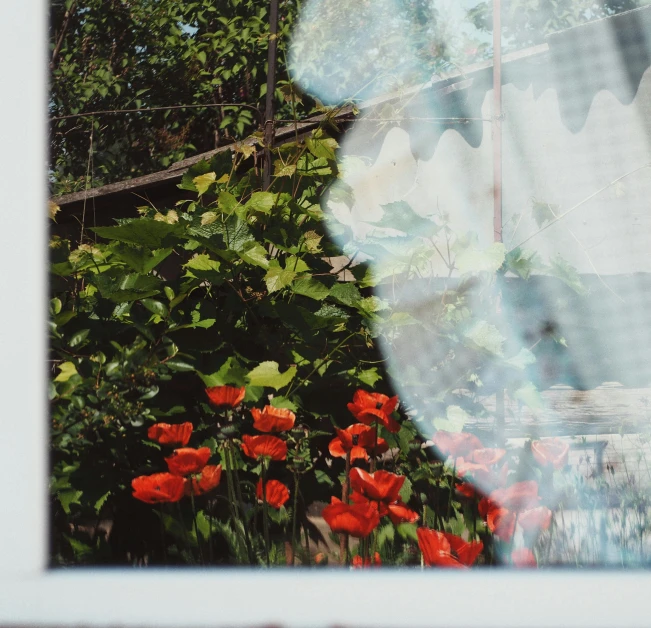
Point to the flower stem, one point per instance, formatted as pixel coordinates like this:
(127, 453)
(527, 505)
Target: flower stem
(162, 534)
(232, 502)
(343, 538)
(186, 534)
(294, 518)
(247, 540)
(196, 527)
(265, 512)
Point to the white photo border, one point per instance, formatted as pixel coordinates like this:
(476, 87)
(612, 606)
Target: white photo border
(32, 595)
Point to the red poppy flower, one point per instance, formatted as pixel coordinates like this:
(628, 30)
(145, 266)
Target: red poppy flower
(276, 492)
(535, 519)
(466, 551)
(273, 419)
(523, 558)
(369, 408)
(467, 490)
(399, 512)
(259, 446)
(228, 396)
(209, 479)
(436, 549)
(187, 460)
(501, 522)
(486, 456)
(551, 451)
(517, 497)
(479, 472)
(358, 563)
(380, 486)
(357, 520)
(158, 488)
(455, 444)
(359, 440)
(166, 434)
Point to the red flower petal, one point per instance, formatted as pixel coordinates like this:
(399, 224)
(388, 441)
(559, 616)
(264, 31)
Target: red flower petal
(380, 486)
(276, 492)
(370, 408)
(166, 434)
(486, 456)
(535, 519)
(519, 496)
(210, 478)
(272, 419)
(523, 558)
(158, 488)
(455, 444)
(436, 548)
(258, 446)
(550, 451)
(399, 513)
(187, 460)
(357, 520)
(466, 551)
(228, 396)
(501, 522)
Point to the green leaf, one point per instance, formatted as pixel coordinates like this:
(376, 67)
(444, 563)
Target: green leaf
(311, 288)
(78, 338)
(323, 478)
(66, 371)
(267, 374)
(207, 218)
(201, 56)
(67, 498)
(156, 307)
(231, 373)
(407, 531)
(142, 232)
(139, 258)
(402, 217)
(227, 202)
(254, 253)
(529, 396)
(474, 260)
(204, 181)
(323, 147)
(203, 267)
(562, 270)
(262, 202)
(456, 418)
(482, 335)
(277, 277)
(101, 501)
(543, 212)
(521, 361)
(114, 284)
(282, 170)
(385, 533)
(346, 293)
(283, 402)
(369, 377)
(405, 491)
(522, 262)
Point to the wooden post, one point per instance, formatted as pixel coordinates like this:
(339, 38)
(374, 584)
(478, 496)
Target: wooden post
(271, 87)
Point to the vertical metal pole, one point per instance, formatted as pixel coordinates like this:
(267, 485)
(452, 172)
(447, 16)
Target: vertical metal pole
(497, 121)
(497, 172)
(269, 130)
